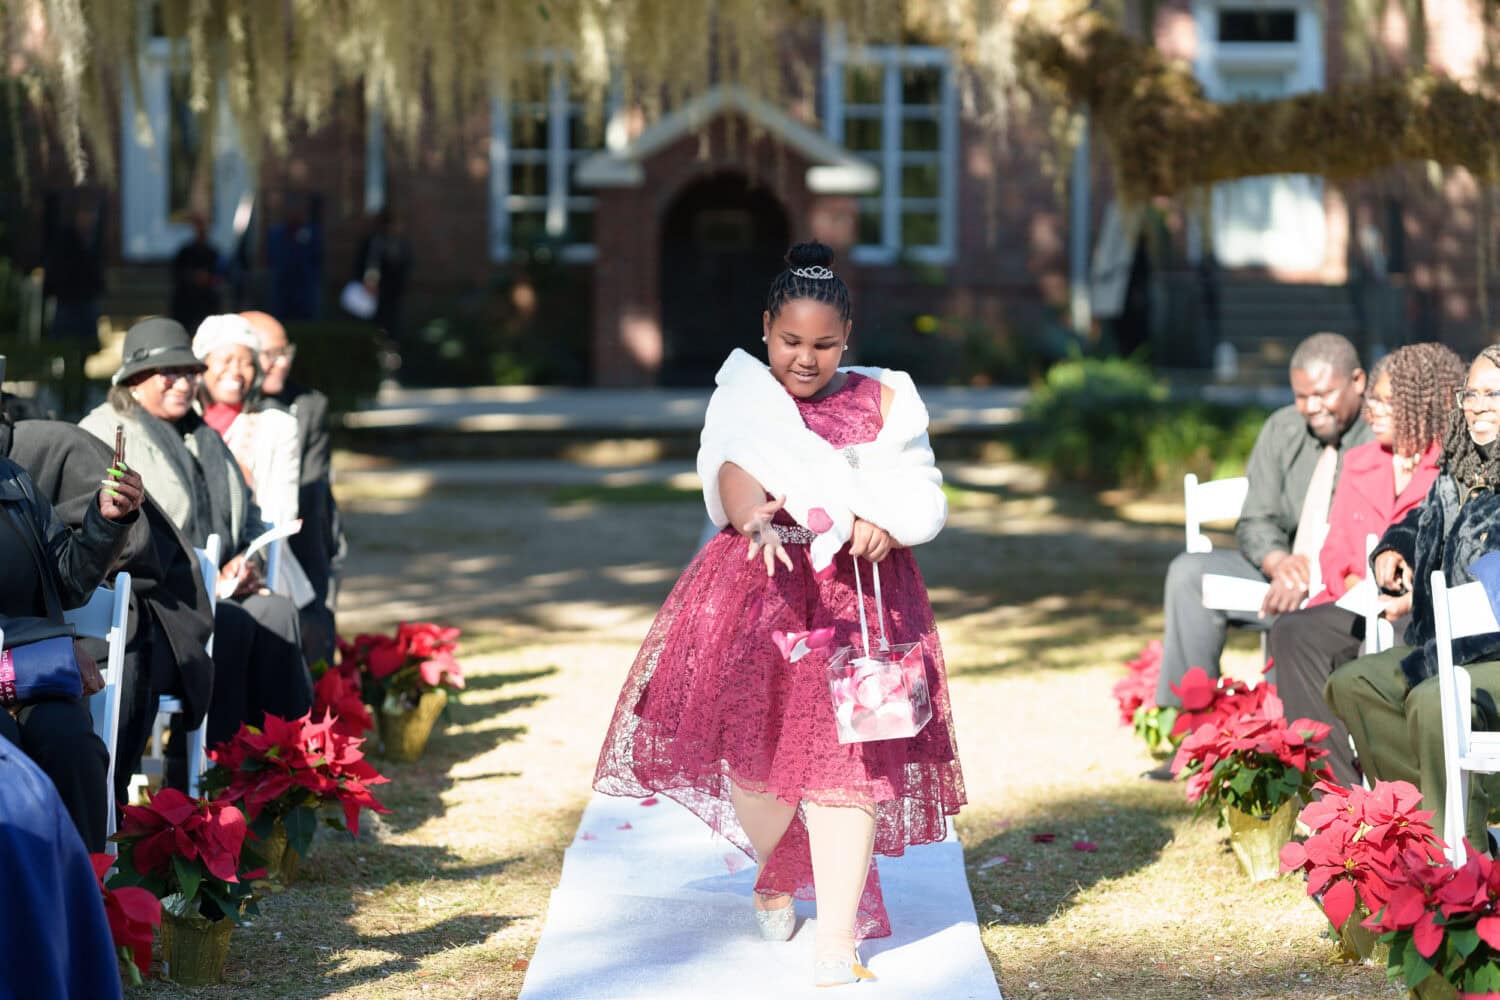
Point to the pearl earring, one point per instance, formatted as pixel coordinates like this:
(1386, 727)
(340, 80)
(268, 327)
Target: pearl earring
(765, 340)
(846, 347)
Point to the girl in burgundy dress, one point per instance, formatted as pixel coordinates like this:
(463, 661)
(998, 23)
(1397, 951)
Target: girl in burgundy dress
(811, 470)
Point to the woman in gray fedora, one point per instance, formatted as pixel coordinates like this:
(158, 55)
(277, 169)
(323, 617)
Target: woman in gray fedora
(258, 663)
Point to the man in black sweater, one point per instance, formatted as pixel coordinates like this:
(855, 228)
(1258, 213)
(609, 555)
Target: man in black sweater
(319, 546)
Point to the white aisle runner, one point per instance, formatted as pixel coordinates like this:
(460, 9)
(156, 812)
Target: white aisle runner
(653, 904)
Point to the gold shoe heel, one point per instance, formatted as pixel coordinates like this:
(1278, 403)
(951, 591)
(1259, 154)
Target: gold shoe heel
(840, 972)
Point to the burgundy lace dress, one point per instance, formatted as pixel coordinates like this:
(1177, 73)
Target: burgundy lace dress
(711, 698)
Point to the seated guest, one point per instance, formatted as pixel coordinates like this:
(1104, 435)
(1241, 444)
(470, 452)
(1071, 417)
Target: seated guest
(320, 544)
(50, 568)
(264, 440)
(1407, 407)
(1389, 701)
(258, 664)
(171, 619)
(1292, 470)
(54, 937)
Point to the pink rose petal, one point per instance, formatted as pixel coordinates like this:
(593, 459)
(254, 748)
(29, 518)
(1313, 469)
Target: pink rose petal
(624, 826)
(1085, 845)
(588, 836)
(818, 520)
(650, 802)
(1043, 838)
(819, 637)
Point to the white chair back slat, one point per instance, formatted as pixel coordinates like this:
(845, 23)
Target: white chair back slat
(106, 616)
(153, 764)
(1380, 634)
(1458, 612)
(1216, 500)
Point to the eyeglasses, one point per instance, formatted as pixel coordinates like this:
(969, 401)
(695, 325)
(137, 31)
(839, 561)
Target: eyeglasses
(172, 375)
(1473, 399)
(269, 359)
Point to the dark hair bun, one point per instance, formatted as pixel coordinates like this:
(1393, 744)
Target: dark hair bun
(812, 254)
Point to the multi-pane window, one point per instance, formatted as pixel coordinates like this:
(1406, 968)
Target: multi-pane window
(896, 108)
(535, 146)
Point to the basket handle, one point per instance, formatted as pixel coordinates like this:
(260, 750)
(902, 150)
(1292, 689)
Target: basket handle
(859, 588)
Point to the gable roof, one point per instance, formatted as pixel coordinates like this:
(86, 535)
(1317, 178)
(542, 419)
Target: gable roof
(834, 170)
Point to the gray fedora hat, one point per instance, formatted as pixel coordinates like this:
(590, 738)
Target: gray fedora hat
(155, 343)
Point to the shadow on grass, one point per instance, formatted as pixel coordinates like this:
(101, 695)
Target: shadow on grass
(468, 728)
(304, 945)
(341, 864)
(626, 556)
(490, 682)
(1135, 970)
(1034, 870)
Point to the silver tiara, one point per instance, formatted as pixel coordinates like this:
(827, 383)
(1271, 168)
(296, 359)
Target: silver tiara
(817, 272)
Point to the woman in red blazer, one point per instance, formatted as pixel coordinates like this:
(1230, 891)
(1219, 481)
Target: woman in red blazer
(1411, 392)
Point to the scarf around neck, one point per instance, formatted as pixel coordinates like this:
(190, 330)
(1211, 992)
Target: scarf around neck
(206, 476)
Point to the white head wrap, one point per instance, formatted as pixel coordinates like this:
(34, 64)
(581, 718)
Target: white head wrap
(225, 330)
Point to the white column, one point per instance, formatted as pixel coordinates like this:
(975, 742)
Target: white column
(374, 158)
(1078, 228)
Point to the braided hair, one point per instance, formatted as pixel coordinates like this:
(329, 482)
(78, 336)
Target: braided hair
(1462, 458)
(1424, 378)
(789, 286)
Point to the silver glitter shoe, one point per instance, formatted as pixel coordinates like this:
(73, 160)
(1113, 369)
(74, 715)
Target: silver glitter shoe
(840, 972)
(777, 925)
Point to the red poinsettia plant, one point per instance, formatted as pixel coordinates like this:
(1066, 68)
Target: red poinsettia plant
(133, 914)
(397, 670)
(337, 694)
(1135, 694)
(186, 852)
(1443, 920)
(1359, 844)
(290, 768)
(1207, 699)
(1249, 757)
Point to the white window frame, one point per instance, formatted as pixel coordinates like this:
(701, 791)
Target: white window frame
(891, 59)
(557, 202)
(1303, 61)
(148, 232)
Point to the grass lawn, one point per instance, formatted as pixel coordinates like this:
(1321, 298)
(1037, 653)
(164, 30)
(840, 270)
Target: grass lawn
(1041, 597)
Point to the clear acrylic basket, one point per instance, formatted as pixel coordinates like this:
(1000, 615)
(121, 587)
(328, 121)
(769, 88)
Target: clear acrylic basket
(882, 694)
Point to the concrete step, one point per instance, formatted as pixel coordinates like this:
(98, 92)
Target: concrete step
(1265, 321)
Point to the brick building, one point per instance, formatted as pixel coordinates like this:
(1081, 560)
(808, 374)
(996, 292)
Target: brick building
(968, 258)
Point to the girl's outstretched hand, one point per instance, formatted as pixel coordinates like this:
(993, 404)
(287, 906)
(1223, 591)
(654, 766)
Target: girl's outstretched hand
(763, 538)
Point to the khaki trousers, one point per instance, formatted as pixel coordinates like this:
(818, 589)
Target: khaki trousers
(1398, 730)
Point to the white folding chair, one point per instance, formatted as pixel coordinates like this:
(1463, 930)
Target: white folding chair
(1216, 500)
(1219, 500)
(106, 616)
(154, 763)
(1380, 634)
(1460, 612)
(274, 555)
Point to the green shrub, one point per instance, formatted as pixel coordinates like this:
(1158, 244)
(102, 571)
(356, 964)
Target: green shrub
(341, 358)
(1108, 422)
(530, 325)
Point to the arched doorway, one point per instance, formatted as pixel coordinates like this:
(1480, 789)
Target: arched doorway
(722, 243)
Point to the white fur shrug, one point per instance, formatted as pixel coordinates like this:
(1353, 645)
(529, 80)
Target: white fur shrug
(891, 482)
